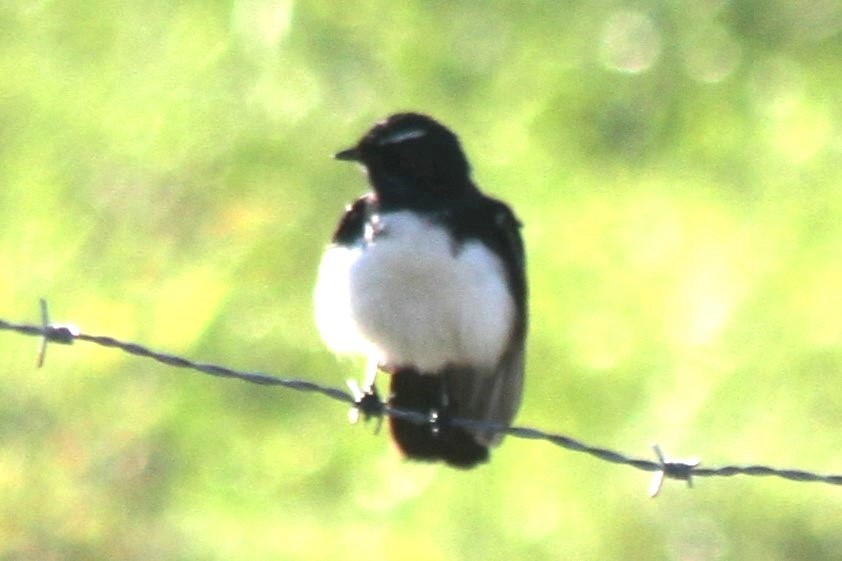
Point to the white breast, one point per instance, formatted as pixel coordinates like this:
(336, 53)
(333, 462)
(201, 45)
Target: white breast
(409, 296)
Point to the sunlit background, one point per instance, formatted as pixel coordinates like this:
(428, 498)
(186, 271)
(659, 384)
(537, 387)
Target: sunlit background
(165, 177)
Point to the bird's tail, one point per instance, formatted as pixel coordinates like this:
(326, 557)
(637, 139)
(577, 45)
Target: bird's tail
(453, 393)
(429, 442)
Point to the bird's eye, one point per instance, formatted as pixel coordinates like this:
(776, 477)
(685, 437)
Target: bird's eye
(402, 135)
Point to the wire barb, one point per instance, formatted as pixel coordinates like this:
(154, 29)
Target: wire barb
(367, 403)
(671, 469)
(53, 333)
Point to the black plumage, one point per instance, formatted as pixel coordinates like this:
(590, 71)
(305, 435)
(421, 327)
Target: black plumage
(417, 165)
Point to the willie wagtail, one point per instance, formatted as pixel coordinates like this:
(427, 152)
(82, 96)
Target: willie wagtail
(425, 276)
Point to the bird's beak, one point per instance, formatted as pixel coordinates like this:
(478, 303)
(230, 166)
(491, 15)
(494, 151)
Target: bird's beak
(349, 155)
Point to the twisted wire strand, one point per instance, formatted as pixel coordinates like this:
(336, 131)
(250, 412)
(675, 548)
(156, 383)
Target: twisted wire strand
(663, 467)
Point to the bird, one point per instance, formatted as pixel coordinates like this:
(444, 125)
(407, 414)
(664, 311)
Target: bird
(425, 277)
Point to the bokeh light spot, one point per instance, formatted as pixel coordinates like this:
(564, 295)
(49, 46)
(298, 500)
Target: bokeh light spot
(630, 42)
(261, 23)
(712, 55)
(776, 86)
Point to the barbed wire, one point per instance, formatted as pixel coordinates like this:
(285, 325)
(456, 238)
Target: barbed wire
(369, 406)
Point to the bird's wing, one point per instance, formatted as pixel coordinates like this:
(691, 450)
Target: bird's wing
(351, 226)
(494, 395)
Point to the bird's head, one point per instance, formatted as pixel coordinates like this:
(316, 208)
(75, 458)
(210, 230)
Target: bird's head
(409, 154)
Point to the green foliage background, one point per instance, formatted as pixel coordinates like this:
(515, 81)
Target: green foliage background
(165, 178)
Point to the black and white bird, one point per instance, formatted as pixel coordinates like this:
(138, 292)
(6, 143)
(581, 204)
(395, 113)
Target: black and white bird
(425, 276)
